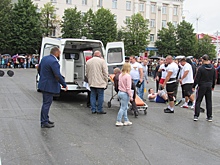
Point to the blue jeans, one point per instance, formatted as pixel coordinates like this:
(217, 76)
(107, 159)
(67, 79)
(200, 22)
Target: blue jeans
(94, 93)
(47, 101)
(124, 99)
(140, 91)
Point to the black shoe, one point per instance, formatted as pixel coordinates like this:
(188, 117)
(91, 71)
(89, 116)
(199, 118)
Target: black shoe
(50, 122)
(47, 126)
(135, 113)
(209, 119)
(94, 112)
(195, 118)
(178, 102)
(102, 112)
(167, 110)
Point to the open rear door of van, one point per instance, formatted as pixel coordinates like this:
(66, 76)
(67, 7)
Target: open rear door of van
(46, 45)
(115, 55)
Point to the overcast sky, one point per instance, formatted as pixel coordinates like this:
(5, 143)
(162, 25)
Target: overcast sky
(207, 13)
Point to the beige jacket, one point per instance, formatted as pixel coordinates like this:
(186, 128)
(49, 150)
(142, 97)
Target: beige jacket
(97, 72)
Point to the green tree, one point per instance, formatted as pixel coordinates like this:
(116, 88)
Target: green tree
(120, 35)
(166, 44)
(87, 24)
(5, 10)
(71, 24)
(50, 20)
(206, 47)
(186, 39)
(26, 27)
(104, 27)
(135, 34)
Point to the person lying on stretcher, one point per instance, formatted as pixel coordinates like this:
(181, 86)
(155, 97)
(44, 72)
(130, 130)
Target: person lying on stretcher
(117, 72)
(160, 97)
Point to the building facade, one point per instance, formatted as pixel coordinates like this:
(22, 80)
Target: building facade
(158, 12)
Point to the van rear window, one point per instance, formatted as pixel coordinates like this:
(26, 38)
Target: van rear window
(114, 55)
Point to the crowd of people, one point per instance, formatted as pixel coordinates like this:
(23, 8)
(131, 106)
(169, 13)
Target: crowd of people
(18, 61)
(193, 75)
(130, 80)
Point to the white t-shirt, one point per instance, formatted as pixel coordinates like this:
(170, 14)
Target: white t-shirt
(163, 71)
(135, 75)
(173, 67)
(181, 71)
(189, 78)
(154, 99)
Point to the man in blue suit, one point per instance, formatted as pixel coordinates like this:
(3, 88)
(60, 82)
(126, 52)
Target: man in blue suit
(49, 83)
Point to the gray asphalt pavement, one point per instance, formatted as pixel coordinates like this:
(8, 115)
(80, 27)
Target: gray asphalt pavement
(82, 138)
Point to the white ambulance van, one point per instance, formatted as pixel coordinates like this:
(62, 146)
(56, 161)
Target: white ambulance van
(73, 58)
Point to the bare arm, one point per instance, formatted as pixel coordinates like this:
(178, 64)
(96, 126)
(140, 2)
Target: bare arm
(184, 76)
(141, 74)
(152, 96)
(167, 77)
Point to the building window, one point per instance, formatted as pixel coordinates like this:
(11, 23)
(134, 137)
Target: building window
(126, 19)
(53, 1)
(68, 1)
(164, 23)
(175, 10)
(164, 10)
(175, 24)
(128, 5)
(99, 3)
(114, 4)
(152, 23)
(151, 37)
(84, 2)
(141, 7)
(153, 8)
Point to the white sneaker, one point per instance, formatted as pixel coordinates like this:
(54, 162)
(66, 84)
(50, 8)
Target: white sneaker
(185, 105)
(192, 107)
(119, 124)
(127, 123)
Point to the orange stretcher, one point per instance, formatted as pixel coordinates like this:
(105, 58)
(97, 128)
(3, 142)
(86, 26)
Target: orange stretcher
(141, 105)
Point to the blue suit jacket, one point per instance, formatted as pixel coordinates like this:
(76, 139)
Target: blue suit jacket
(50, 77)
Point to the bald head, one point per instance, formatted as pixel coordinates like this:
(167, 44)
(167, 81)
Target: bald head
(55, 51)
(169, 59)
(97, 54)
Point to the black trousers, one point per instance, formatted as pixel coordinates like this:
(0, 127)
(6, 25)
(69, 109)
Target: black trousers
(201, 92)
(157, 85)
